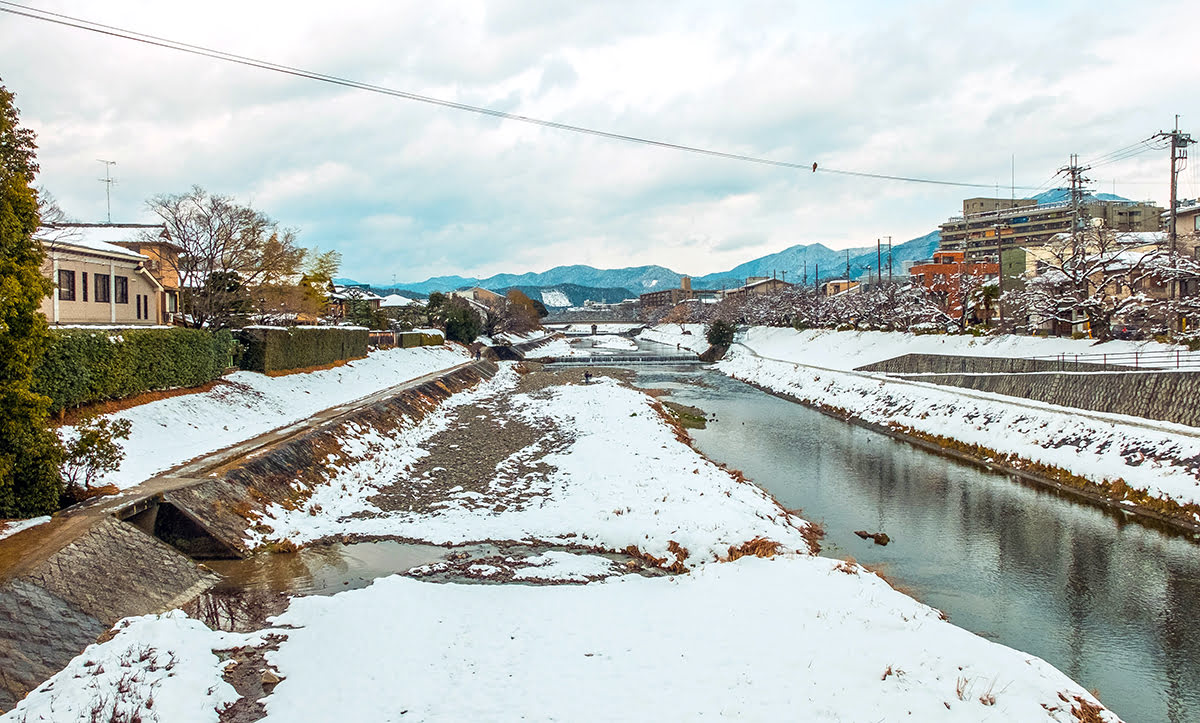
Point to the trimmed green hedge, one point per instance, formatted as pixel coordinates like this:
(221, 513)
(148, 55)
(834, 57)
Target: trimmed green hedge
(272, 349)
(85, 365)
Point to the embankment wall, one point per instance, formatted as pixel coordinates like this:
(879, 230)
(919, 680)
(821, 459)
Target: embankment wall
(1170, 396)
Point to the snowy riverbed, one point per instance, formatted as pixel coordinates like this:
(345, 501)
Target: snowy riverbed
(795, 636)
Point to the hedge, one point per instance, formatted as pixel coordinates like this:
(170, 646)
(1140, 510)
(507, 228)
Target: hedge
(85, 365)
(271, 349)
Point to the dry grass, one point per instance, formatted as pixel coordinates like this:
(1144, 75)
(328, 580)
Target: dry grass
(676, 567)
(305, 370)
(1086, 712)
(74, 416)
(758, 547)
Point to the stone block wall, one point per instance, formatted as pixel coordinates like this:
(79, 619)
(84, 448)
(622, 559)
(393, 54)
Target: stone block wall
(1170, 396)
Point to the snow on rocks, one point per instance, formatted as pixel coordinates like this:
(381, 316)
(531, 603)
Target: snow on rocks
(156, 668)
(789, 638)
(171, 431)
(657, 495)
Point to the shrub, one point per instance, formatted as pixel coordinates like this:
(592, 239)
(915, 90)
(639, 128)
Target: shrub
(720, 333)
(271, 349)
(84, 365)
(92, 451)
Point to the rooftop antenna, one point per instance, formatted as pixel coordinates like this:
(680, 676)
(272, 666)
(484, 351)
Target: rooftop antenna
(108, 182)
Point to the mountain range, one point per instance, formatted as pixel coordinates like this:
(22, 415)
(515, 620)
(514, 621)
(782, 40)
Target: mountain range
(800, 263)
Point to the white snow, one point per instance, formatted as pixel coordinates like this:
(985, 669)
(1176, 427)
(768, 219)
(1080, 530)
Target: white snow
(672, 334)
(793, 638)
(171, 431)
(555, 565)
(554, 297)
(8, 528)
(161, 668)
(657, 490)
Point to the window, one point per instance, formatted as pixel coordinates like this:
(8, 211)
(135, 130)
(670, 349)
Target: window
(83, 285)
(121, 289)
(102, 289)
(66, 285)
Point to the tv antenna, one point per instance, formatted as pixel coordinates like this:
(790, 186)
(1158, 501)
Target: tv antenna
(108, 182)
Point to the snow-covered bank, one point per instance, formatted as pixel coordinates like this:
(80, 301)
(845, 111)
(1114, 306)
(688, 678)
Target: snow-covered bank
(789, 638)
(8, 528)
(685, 336)
(1150, 456)
(657, 491)
(171, 431)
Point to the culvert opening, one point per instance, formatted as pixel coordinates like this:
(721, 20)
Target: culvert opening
(182, 532)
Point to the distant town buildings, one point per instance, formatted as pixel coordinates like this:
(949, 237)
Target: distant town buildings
(988, 224)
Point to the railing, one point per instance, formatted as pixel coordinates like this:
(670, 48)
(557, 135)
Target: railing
(1124, 361)
(599, 360)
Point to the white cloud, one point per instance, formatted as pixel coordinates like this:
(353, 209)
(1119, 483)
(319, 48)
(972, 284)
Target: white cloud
(935, 89)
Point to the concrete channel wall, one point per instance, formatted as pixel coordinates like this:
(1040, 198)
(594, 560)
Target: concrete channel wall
(105, 566)
(1170, 396)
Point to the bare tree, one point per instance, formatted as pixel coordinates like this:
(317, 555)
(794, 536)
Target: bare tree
(227, 250)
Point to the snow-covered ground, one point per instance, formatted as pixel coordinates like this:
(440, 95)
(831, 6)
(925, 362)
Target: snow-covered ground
(795, 637)
(655, 492)
(12, 527)
(674, 334)
(599, 345)
(171, 431)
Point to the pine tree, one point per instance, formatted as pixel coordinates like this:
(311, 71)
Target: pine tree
(30, 454)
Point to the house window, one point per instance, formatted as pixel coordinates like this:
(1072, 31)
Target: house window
(102, 289)
(121, 289)
(83, 285)
(66, 285)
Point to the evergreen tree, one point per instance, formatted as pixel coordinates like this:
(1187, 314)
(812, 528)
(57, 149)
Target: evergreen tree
(30, 454)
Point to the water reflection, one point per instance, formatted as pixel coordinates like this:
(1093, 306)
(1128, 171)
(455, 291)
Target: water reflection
(1109, 603)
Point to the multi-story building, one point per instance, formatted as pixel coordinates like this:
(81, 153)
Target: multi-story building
(987, 224)
(948, 275)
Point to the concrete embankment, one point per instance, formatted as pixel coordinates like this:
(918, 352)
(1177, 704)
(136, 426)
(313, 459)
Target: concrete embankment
(67, 581)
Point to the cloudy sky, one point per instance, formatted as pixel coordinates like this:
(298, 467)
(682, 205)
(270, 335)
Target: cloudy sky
(405, 190)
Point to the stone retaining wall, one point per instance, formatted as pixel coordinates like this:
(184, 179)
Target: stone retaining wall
(948, 364)
(1170, 396)
(111, 571)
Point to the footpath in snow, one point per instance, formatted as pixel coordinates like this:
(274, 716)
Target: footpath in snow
(578, 632)
(816, 366)
(171, 431)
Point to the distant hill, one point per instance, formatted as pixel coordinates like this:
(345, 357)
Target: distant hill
(1058, 195)
(799, 263)
(563, 296)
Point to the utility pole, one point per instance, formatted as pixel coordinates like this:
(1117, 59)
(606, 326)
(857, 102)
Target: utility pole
(1075, 172)
(1000, 228)
(879, 260)
(1179, 143)
(806, 272)
(847, 270)
(784, 275)
(108, 182)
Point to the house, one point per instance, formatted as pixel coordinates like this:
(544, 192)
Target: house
(479, 295)
(948, 274)
(98, 281)
(833, 287)
(757, 285)
(343, 297)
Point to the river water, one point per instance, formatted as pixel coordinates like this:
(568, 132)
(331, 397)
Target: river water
(1111, 603)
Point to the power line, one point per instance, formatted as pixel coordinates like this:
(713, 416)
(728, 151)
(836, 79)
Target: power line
(122, 33)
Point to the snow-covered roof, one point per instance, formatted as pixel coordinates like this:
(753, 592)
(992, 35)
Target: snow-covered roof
(398, 300)
(354, 293)
(87, 239)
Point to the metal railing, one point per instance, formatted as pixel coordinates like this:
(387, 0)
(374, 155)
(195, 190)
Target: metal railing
(1125, 361)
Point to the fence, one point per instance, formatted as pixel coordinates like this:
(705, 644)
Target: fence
(1123, 361)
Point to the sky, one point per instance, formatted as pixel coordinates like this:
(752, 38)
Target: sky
(945, 90)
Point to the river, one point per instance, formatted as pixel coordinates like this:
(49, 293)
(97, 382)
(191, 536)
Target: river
(1111, 603)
